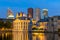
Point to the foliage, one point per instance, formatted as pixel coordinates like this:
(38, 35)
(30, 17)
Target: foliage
(37, 29)
(41, 29)
(34, 28)
(1, 23)
(8, 24)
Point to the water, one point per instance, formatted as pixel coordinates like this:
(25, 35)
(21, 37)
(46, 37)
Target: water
(24, 35)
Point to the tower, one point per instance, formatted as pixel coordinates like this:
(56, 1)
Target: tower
(30, 13)
(10, 14)
(37, 14)
(45, 13)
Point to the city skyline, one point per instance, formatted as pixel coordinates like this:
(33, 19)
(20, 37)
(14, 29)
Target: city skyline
(29, 19)
(22, 5)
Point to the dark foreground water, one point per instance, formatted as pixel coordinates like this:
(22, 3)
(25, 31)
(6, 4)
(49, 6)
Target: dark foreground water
(24, 35)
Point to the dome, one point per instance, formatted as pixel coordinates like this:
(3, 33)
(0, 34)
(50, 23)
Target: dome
(10, 16)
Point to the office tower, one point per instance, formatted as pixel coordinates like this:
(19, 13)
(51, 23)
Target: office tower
(37, 14)
(45, 13)
(10, 14)
(30, 13)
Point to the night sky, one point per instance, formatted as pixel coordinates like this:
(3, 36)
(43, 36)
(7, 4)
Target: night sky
(53, 6)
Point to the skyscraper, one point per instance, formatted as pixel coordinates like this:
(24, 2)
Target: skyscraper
(45, 13)
(10, 14)
(37, 14)
(30, 13)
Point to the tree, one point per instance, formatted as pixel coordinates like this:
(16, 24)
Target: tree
(34, 28)
(8, 24)
(41, 29)
(1, 23)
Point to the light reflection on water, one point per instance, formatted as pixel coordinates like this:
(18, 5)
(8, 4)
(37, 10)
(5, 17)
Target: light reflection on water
(5, 36)
(24, 35)
(38, 36)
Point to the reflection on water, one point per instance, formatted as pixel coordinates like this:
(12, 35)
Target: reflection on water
(38, 36)
(24, 35)
(5, 36)
(20, 35)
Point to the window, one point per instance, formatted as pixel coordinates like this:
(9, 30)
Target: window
(58, 23)
(55, 23)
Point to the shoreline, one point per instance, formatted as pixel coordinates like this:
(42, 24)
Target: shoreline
(56, 32)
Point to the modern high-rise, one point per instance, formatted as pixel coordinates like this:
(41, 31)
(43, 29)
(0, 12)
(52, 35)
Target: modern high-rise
(45, 13)
(30, 13)
(10, 14)
(37, 14)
